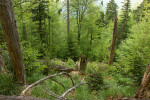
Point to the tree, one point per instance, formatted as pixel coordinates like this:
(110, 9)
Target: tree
(12, 38)
(111, 58)
(1, 34)
(111, 8)
(124, 24)
(68, 22)
(39, 16)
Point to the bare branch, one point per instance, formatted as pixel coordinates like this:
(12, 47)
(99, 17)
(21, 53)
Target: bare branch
(74, 87)
(41, 80)
(52, 93)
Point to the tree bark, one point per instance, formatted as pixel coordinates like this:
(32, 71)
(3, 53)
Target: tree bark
(143, 90)
(83, 64)
(12, 38)
(111, 58)
(68, 20)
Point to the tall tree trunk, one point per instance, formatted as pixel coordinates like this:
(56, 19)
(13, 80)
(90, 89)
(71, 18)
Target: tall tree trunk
(12, 38)
(68, 21)
(78, 22)
(23, 24)
(24, 31)
(1, 35)
(40, 22)
(111, 58)
(49, 31)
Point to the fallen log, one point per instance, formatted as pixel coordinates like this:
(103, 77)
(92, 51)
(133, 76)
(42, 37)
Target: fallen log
(3, 97)
(61, 68)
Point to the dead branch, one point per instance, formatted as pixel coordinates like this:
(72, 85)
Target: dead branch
(41, 80)
(52, 93)
(74, 87)
(58, 83)
(70, 78)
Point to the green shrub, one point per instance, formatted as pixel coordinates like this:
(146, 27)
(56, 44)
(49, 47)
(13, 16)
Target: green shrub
(8, 85)
(31, 61)
(133, 54)
(116, 90)
(95, 77)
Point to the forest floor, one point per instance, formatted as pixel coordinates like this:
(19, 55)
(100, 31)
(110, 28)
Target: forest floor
(110, 86)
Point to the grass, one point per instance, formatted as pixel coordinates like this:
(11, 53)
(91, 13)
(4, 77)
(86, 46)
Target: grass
(83, 92)
(8, 86)
(117, 86)
(116, 90)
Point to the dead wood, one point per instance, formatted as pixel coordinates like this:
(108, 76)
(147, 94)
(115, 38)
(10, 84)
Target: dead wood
(74, 87)
(41, 80)
(3, 97)
(61, 68)
(58, 83)
(143, 89)
(50, 92)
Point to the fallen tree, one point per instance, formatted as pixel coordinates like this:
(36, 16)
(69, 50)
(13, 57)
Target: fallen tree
(3, 97)
(61, 68)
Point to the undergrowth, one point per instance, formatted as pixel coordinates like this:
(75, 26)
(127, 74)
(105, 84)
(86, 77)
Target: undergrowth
(8, 86)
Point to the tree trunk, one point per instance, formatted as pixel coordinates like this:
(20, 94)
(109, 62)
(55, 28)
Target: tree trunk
(1, 35)
(68, 21)
(111, 58)
(12, 38)
(144, 89)
(24, 32)
(83, 63)
(23, 24)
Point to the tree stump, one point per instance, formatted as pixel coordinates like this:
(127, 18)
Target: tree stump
(83, 63)
(144, 89)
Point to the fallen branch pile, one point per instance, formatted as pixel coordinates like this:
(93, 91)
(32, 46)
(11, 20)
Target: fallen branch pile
(47, 91)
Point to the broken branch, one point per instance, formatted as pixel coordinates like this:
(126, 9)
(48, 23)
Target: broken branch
(41, 80)
(74, 87)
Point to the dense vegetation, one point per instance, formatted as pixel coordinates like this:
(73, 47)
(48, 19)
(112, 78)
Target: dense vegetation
(45, 41)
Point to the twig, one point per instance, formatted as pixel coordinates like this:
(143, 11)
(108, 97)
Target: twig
(69, 90)
(41, 80)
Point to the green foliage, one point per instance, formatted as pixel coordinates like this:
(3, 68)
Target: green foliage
(116, 90)
(95, 78)
(133, 54)
(111, 8)
(30, 55)
(8, 86)
(124, 23)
